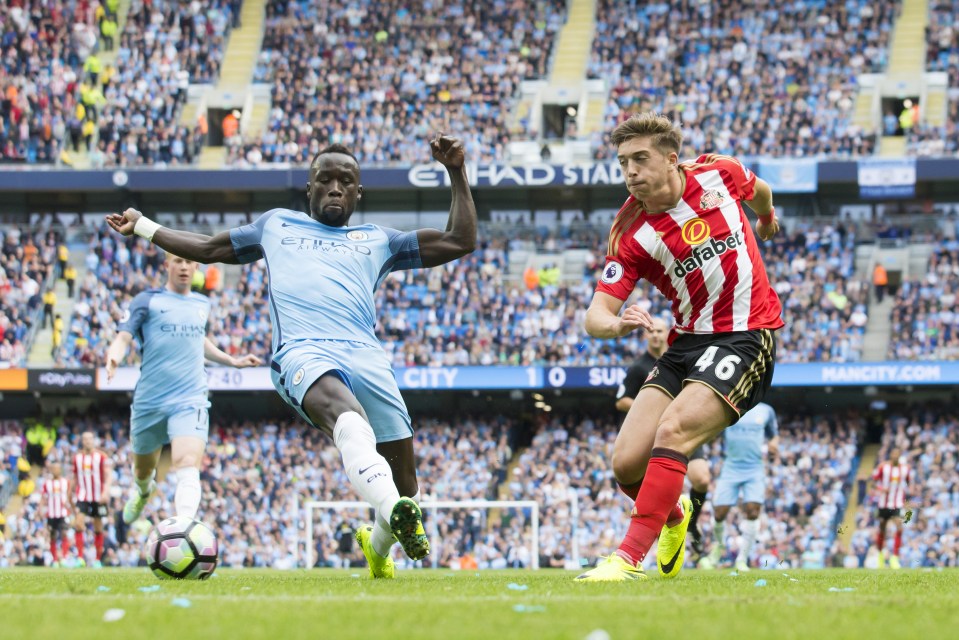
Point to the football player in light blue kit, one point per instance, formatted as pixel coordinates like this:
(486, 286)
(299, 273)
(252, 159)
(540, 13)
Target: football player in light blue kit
(744, 475)
(170, 401)
(327, 363)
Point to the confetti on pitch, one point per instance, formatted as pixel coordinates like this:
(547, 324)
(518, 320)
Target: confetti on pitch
(528, 608)
(517, 587)
(103, 589)
(354, 575)
(838, 590)
(734, 573)
(183, 603)
(598, 634)
(841, 530)
(112, 615)
(760, 583)
(906, 518)
(150, 589)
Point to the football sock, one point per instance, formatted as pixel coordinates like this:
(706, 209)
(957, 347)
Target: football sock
(53, 549)
(897, 543)
(631, 490)
(698, 498)
(369, 472)
(187, 496)
(78, 538)
(64, 546)
(656, 502)
(383, 538)
(144, 485)
(749, 530)
(98, 544)
(881, 539)
(719, 533)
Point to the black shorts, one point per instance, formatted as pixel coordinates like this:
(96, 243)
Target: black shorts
(92, 509)
(889, 514)
(738, 366)
(57, 524)
(698, 454)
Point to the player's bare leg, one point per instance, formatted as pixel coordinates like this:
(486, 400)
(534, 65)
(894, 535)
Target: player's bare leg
(186, 453)
(749, 530)
(634, 443)
(144, 473)
(335, 410)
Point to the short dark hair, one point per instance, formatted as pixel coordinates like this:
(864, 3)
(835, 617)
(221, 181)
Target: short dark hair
(665, 135)
(334, 148)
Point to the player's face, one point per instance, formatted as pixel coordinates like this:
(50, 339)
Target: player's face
(645, 168)
(334, 188)
(656, 337)
(56, 470)
(894, 455)
(180, 271)
(86, 440)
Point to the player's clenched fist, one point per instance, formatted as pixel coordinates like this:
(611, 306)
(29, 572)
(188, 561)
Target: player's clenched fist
(125, 222)
(448, 151)
(634, 317)
(767, 231)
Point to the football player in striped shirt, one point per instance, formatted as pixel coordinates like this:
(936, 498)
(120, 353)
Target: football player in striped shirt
(55, 509)
(92, 478)
(892, 480)
(683, 228)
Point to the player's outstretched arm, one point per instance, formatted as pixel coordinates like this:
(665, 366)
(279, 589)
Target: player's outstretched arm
(459, 238)
(192, 246)
(762, 204)
(117, 352)
(214, 354)
(603, 319)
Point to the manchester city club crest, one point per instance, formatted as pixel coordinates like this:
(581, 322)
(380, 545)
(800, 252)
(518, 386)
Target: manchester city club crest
(298, 376)
(711, 199)
(357, 236)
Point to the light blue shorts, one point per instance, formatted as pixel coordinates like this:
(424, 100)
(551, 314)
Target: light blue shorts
(150, 430)
(365, 369)
(732, 484)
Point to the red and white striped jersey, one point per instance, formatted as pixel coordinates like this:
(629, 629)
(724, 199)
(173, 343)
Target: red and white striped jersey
(892, 480)
(89, 470)
(701, 254)
(57, 494)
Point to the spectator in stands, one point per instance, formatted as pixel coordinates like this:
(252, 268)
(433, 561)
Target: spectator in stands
(880, 279)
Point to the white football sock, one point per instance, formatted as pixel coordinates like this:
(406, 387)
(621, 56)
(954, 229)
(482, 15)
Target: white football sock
(719, 533)
(749, 530)
(143, 485)
(369, 472)
(187, 496)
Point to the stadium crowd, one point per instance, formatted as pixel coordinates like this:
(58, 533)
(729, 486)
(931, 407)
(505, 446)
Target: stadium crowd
(928, 439)
(763, 79)
(382, 76)
(27, 268)
(926, 313)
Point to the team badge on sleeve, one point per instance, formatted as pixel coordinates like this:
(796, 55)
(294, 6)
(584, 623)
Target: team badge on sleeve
(298, 376)
(613, 273)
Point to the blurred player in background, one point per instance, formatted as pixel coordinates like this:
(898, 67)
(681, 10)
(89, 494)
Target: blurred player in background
(327, 363)
(170, 401)
(892, 479)
(698, 469)
(92, 477)
(684, 230)
(55, 509)
(744, 475)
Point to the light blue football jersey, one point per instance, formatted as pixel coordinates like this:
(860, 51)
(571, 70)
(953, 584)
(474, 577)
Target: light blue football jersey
(171, 330)
(744, 440)
(322, 278)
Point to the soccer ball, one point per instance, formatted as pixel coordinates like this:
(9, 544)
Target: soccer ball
(182, 548)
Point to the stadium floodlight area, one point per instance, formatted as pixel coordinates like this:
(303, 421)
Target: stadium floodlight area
(430, 509)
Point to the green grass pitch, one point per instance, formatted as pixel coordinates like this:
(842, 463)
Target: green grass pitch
(421, 605)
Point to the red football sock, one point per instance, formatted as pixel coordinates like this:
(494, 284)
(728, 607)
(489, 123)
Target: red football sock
(78, 538)
(53, 550)
(897, 543)
(98, 543)
(881, 539)
(656, 502)
(64, 546)
(631, 490)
